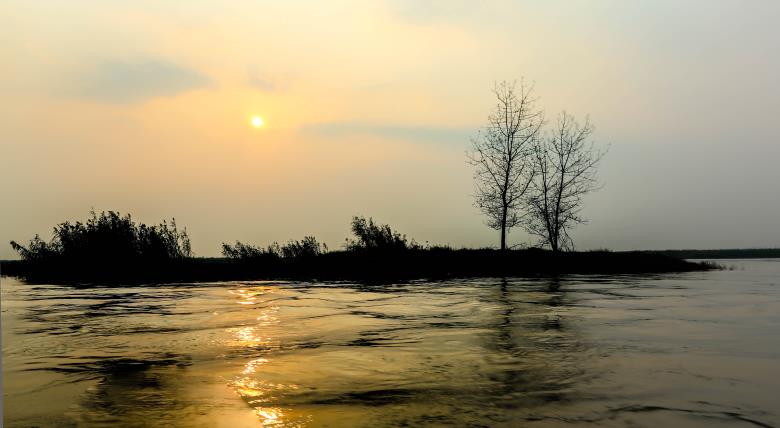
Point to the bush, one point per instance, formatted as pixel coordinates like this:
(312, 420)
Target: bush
(308, 247)
(109, 236)
(372, 236)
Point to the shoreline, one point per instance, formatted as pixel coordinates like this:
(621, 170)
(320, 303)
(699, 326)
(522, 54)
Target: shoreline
(369, 266)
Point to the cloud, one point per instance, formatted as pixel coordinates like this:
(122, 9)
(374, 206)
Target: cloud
(123, 82)
(267, 82)
(452, 137)
(262, 83)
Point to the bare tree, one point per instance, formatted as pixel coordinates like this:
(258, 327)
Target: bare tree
(501, 156)
(565, 163)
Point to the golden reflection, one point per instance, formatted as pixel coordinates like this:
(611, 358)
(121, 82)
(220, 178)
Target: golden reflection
(249, 337)
(251, 366)
(278, 417)
(251, 390)
(249, 296)
(269, 416)
(265, 319)
(259, 393)
(255, 391)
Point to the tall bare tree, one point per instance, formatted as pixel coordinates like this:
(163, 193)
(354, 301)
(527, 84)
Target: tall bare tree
(565, 162)
(501, 156)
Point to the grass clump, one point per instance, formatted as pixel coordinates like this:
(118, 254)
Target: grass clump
(306, 248)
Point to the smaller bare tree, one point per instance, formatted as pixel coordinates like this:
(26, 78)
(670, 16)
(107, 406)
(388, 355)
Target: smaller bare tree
(501, 156)
(565, 163)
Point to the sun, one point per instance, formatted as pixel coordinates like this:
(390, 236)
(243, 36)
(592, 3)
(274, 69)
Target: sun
(257, 121)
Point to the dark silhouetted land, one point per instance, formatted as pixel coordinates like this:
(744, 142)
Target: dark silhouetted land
(745, 253)
(359, 266)
(113, 249)
(433, 263)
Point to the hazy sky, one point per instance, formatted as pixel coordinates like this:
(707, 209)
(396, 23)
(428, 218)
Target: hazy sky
(144, 107)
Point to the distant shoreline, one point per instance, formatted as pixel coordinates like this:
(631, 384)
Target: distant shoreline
(732, 253)
(373, 266)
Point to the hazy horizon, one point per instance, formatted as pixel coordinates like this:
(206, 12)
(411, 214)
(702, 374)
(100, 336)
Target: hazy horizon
(145, 108)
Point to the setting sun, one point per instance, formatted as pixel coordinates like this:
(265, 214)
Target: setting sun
(257, 121)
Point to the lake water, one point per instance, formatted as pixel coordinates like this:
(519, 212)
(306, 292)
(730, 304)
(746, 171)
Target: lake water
(679, 350)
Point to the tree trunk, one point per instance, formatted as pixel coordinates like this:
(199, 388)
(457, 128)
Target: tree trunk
(555, 240)
(503, 229)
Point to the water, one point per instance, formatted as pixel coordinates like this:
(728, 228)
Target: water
(695, 349)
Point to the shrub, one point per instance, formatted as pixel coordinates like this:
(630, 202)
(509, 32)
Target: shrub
(109, 236)
(372, 236)
(308, 247)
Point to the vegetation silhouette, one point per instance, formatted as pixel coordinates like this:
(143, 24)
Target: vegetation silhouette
(109, 236)
(725, 253)
(304, 249)
(106, 246)
(502, 158)
(526, 175)
(565, 165)
(373, 237)
(111, 248)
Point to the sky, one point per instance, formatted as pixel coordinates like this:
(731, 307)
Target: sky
(145, 107)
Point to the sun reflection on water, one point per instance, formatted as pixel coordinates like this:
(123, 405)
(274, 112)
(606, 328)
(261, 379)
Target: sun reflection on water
(251, 366)
(247, 296)
(270, 416)
(256, 392)
(277, 417)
